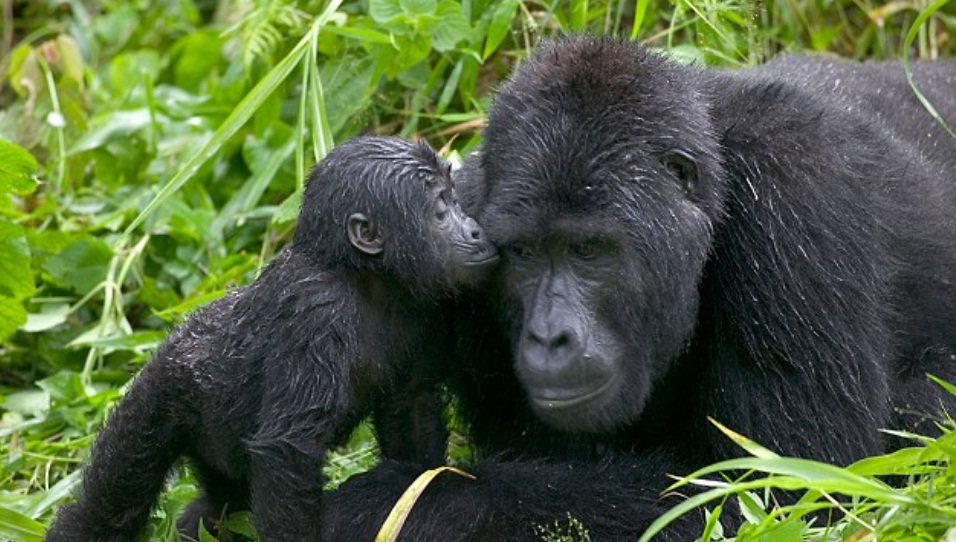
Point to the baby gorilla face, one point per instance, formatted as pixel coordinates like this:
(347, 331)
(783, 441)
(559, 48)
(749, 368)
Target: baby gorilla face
(404, 222)
(467, 253)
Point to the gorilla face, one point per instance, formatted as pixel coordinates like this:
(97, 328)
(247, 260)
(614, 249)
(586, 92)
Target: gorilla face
(602, 194)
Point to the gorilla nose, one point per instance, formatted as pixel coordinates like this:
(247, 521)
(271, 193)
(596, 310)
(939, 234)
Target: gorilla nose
(551, 348)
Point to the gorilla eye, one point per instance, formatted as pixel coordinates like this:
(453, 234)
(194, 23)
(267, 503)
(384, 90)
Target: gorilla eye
(684, 168)
(520, 251)
(587, 250)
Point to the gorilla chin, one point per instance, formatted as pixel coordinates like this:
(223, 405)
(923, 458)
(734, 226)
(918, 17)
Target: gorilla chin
(586, 398)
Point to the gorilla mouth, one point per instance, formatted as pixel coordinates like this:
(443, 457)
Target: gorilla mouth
(564, 399)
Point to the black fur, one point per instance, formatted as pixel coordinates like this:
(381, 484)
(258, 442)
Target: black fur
(256, 387)
(774, 248)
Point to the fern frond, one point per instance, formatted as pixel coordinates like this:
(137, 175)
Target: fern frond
(264, 25)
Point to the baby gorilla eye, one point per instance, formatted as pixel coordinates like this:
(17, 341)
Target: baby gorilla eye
(441, 210)
(684, 168)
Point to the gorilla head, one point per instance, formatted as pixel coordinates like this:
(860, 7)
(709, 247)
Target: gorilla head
(385, 207)
(604, 213)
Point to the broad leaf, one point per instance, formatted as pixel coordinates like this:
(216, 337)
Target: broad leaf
(81, 266)
(17, 167)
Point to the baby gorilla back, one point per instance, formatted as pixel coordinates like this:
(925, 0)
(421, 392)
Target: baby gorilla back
(256, 387)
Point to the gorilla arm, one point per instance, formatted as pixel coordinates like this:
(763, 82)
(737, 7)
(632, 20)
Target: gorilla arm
(614, 499)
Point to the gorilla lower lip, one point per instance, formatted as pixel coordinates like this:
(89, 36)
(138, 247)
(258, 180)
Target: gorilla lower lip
(564, 400)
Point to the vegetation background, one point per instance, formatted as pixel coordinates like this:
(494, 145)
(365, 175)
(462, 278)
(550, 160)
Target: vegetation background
(152, 155)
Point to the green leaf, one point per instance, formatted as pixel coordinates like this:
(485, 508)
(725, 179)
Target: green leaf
(196, 55)
(265, 162)
(29, 402)
(239, 115)
(81, 266)
(63, 489)
(416, 8)
(795, 473)
(383, 11)
(289, 209)
(50, 316)
(362, 34)
(138, 341)
(132, 69)
(578, 15)
(16, 278)
(900, 462)
(943, 384)
(411, 51)
(750, 446)
(16, 527)
(911, 35)
(750, 507)
(240, 523)
(63, 387)
(499, 26)
(113, 126)
(17, 167)
(346, 84)
(71, 59)
(204, 535)
(640, 12)
(12, 316)
(449, 27)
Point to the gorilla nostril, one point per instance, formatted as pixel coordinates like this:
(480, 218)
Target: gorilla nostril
(561, 341)
(476, 234)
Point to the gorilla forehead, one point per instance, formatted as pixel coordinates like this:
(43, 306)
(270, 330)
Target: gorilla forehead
(585, 122)
(600, 84)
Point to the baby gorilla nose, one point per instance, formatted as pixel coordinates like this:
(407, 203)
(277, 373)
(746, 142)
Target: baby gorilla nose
(471, 229)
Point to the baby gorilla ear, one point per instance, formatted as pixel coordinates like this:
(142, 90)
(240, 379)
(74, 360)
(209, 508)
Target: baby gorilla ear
(364, 235)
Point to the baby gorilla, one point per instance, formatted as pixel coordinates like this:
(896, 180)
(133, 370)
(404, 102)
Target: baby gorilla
(255, 388)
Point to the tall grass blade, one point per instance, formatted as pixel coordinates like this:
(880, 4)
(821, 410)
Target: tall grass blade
(640, 12)
(16, 527)
(911, 36)
(750, 446)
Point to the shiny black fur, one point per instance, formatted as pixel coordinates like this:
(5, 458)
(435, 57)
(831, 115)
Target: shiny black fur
(772, 247)
(255, 388)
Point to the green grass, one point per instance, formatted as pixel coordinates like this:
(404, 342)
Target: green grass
(152, 156)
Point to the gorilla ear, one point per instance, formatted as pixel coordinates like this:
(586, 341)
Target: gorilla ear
(364, 235)
(684, 168)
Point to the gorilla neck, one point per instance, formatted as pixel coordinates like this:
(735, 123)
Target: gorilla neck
(387, 295)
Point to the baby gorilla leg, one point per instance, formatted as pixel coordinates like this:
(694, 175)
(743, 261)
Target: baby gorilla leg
(221, 496)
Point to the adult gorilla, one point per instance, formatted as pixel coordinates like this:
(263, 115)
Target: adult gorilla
(774, 248)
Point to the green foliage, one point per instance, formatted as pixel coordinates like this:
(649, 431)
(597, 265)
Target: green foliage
(571, 530)
(152, 156)
(860, 504)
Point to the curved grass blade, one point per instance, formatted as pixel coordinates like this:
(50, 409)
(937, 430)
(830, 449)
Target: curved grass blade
(924, 16)
(396, 518)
